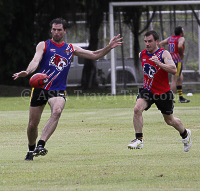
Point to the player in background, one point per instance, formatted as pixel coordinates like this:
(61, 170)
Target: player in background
(156, 64)
(54, 58)
(176, 46)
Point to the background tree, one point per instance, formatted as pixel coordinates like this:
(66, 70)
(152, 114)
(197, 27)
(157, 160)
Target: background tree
(16, 38)
(132, 17)
(95, 12)
(24, 24)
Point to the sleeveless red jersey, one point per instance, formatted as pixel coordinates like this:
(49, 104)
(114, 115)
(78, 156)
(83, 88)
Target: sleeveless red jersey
(173, 48)
(155, 78)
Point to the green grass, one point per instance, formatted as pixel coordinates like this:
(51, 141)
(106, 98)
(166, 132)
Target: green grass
(88, 151)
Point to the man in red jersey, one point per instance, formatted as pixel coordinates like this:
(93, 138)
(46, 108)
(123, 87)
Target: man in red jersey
(156, 63)
(176, 48)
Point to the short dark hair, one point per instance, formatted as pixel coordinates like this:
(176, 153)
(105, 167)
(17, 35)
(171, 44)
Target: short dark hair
(153, 33)
(178, 30)
(59, 21)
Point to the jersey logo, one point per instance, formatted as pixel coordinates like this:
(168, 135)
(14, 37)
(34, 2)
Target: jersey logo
(52, 50)
(149, 70)
(58, 61)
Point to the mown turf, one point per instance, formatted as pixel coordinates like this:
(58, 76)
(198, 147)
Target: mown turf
(88, 150)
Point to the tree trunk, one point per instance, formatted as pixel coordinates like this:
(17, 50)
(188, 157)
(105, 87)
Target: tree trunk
(89, 74)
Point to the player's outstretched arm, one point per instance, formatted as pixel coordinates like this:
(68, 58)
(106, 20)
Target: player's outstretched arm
(34, 63)
(95, 55)
(116, 41)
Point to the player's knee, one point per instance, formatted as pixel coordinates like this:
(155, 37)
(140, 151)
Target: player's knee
(57, 112)
(169, 122)
(32, 125)
(137, 111)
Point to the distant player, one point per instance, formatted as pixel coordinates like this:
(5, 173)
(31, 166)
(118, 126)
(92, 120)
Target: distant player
(156, 63)
(176, 48)
(54, 58)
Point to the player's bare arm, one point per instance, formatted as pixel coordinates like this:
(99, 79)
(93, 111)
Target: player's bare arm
(181, 41)
(34, 63)
(163, 43)
(168, 65)
(94, 55)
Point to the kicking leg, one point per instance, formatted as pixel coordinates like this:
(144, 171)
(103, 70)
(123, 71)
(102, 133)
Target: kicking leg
(57, 105)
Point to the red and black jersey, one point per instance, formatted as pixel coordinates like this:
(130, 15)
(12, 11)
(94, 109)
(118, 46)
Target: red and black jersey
(155, 78)
(173, 48)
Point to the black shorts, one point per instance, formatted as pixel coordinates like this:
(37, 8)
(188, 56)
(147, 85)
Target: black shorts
(164, 102)
(179, 67)
(40, 96)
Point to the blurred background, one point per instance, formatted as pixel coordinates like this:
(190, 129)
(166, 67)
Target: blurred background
(25, 23)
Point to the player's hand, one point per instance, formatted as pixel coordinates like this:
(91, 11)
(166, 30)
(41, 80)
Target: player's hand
(116, 41)
(20, 74)
(154, 58)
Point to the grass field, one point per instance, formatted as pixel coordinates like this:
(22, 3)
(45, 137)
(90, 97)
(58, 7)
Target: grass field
(88, 151)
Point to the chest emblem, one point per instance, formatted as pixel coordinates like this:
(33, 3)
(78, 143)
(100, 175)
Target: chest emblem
(58, 61)
(149, 70)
